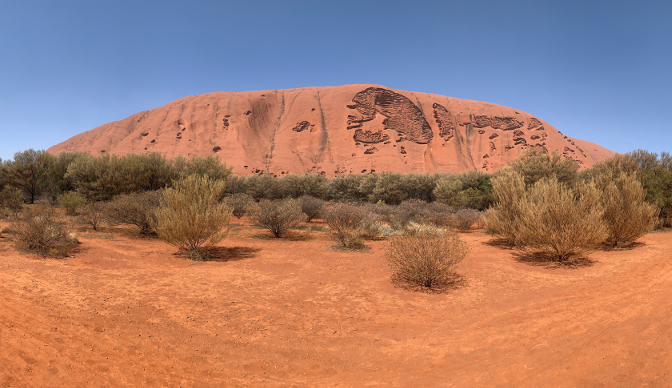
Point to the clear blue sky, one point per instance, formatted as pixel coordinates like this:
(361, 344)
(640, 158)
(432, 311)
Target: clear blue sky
(596, 70)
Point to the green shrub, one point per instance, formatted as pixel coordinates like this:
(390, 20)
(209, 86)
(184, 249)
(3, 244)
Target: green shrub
(425, 256)
(192, 217)
(345, 188)
(40, 231)
(278, 216)
(71, 201)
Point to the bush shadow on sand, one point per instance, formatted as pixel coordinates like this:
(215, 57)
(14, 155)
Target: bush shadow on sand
(547, 260)
(226, 254)
(450, 283)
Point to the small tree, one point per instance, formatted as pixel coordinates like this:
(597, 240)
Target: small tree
(425, 255)
(71, 201)
(344, 222)
(28, 173)
(278, 216)
(94, 214)
(238, 203)
(310, 206)
(192, 217)
(626, 213)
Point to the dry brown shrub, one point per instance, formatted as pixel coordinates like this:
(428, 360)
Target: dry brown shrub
(561, 221)
(503, 219)
(311, 206)
(344, 220)
(11, 198)
(135, 209)
(192, 217)
(425, 255)
(41, 231)
(437, 214)
(464, 219)
(238, 203)
(278, 216)
(94, 214)
(626, 213)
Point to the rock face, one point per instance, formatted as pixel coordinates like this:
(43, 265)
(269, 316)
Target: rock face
(334, 130)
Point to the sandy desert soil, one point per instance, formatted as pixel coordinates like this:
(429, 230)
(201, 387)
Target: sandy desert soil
(125, 311)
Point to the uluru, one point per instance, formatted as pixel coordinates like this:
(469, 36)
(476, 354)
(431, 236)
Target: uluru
(335, 130)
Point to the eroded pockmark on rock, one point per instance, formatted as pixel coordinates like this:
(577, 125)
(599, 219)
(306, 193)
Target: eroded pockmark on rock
(445, 121)
(370, 137)
(401, 114)
(302, 126)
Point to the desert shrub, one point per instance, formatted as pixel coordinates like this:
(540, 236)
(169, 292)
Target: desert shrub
(367, 184)
(264, 187)
(376, 229)
(71, 201)
(192, 217)
(11, 198)
(310, 206)
(238, 203)
(437, 214)
(466, 190)
(626, 213)
(407, 211)
(535, 164)
(237, 185)
(314, 185)
(94, 214)
(210, 165)
(464, 219)
(345, 187)
(390, 188)
(344, 220)
(97, 178)
(656, 177)
(40, 231)
(447, 190)
(560, 220)
(502, 219)
(425, 255)
(135, 209)
(278, 216)
(420, 186)
(56, 169)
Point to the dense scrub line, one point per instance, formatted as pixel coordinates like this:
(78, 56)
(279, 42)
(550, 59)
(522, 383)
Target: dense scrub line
(34, 174)
(540, 202)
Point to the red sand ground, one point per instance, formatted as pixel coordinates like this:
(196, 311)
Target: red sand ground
(334, 130)
(125, 311)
